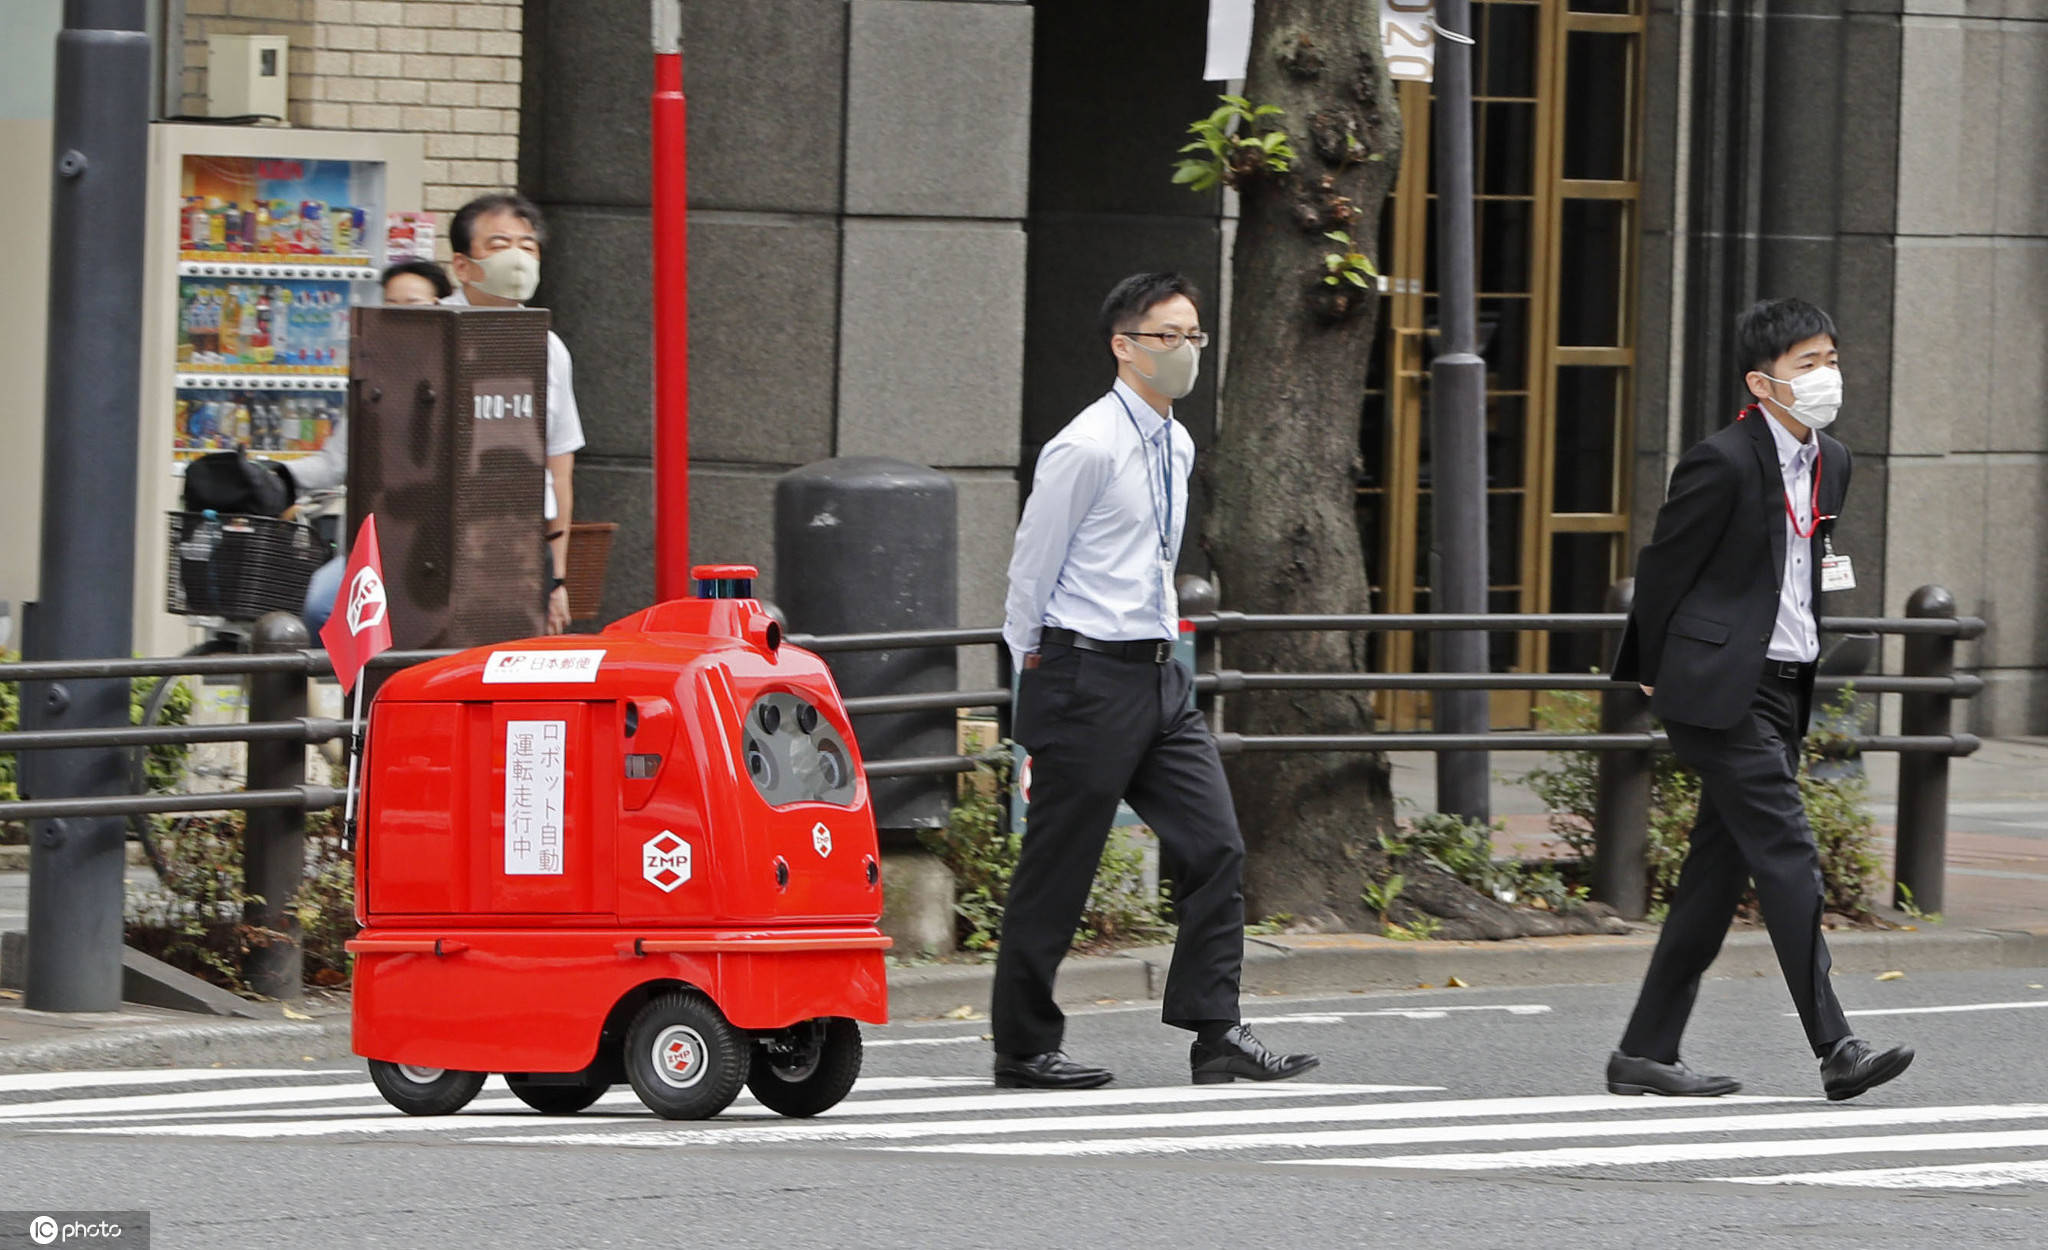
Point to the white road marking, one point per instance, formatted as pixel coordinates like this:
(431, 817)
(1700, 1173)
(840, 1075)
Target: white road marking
(621, 1098)
(1399, 1013)
(84, 1108)
(2034, 1004)
(1126, 1123)
(924, 1041)
(1952, 1176)
(1693, 1152)
(315, 1127)
(38, 1082)
(1492, 1132)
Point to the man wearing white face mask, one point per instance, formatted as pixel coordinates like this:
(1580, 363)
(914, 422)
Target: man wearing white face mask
(497, 243)
(1723, 636)
(1091, 619)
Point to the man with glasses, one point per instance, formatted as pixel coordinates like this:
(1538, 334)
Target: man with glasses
(497, 241)
(1103, 708)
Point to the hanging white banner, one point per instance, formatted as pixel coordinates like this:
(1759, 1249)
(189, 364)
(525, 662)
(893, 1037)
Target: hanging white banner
(1407, 39)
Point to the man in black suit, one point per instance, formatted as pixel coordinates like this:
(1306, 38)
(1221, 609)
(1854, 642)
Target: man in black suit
(1723, 637)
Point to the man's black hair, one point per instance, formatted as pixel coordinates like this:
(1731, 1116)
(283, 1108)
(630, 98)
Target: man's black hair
(461, 230)
(427, 269)
(1772, 327)
(1128, 301)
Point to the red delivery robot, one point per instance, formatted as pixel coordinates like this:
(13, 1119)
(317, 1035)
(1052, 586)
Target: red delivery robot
(643, 855)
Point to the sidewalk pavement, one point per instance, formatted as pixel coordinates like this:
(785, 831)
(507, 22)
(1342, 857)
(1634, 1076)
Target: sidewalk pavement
(1995, 915)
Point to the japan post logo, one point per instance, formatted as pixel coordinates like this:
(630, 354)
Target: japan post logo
(665, 861)
(366, 601)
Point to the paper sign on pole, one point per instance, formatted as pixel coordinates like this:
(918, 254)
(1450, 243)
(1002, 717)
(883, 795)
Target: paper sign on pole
(1407, 39)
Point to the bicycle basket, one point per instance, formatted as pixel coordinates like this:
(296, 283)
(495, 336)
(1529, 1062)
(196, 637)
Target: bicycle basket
(239, 567)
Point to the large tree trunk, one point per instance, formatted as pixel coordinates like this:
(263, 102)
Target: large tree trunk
(1282, 525)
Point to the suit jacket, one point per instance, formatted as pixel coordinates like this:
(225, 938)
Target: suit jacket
(1706, 597)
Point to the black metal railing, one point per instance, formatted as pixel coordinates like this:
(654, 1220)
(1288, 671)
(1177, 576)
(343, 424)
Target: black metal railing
(1929, 687)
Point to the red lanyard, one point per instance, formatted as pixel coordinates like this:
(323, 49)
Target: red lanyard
(1813, 506)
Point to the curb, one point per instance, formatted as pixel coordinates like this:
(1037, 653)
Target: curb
(1309, 964)
(179, 1045)
(1342, 963)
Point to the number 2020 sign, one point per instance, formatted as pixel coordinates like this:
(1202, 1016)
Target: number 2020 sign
(1408, 38)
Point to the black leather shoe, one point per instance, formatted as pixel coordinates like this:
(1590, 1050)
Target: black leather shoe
(1239, 1054)
(1051, 1070)
(1627, 1074)
(1853, 1067)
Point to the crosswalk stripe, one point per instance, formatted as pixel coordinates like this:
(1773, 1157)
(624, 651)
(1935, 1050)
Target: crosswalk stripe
(41, 1082)
(314, 1126)
(1692, 1152)
(197, 1100)
(373, 1104)
(801, 1131)
(1493, 1132)
(1950, 1176)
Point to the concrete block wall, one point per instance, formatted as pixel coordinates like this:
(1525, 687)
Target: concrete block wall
(1897, 176)
(446, 69)
(1968, 454)
(857, 256)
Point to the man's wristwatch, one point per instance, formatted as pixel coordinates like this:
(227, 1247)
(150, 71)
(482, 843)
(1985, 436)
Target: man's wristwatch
(556, 583)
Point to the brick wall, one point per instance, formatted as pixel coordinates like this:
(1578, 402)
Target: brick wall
(445, 69)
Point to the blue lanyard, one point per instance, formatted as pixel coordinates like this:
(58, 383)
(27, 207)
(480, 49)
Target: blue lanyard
(1163, 524)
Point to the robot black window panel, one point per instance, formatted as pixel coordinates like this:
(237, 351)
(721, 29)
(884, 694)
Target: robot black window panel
(794, 755)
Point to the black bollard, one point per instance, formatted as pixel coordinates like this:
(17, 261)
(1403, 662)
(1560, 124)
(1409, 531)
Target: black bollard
(274, 838)
(1920, 867)
(1621, 811)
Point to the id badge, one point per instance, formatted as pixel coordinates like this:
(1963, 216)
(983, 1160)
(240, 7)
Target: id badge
(1836, 573)
(1167, 594)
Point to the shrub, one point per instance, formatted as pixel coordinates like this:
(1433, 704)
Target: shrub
(1843, 828)
(983, 856)
(195, 921)
(162, 764)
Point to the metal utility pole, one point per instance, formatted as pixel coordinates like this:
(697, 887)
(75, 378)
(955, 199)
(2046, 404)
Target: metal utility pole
(100, 149)
(1457, 388)
(669, 220)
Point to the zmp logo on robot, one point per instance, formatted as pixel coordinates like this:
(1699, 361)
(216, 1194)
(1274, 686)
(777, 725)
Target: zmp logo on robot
(821, 840)
(665, 861)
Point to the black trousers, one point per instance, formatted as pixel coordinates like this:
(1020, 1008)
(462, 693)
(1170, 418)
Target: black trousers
(1102, 729)
(1751, 826)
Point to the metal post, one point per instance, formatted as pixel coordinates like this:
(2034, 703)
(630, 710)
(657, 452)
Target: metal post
(1198, 598)
(1921, 853)
(1621, 806)
(1457, 427)
(669, 221)
(274, 839)
(98, 218)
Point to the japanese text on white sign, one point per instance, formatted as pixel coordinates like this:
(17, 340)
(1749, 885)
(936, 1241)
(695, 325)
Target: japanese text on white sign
(506, 668)
(536, 763)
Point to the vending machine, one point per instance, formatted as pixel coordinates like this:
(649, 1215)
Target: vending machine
(261, 240)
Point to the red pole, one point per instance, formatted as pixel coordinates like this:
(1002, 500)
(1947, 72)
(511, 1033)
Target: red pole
(670, 226)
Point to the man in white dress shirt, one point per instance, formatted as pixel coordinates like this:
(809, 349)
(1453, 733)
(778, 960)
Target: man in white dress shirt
(1103, 708)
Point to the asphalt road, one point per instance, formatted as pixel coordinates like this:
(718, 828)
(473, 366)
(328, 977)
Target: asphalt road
(1454, 1118)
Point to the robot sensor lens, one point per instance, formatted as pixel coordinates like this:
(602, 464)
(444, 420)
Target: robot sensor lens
(771, 717)
(807, 719)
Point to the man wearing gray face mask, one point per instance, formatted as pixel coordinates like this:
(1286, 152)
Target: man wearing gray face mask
(497, 243)
(1103, 708)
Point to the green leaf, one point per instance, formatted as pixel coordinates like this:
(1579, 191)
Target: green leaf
(1365, 263)
(1338, 235)
(1330, 280)
(1237, 102)
(1332, 259)
(1268, 110)
(1354, 277)
(1188, 171)
(1273, 139)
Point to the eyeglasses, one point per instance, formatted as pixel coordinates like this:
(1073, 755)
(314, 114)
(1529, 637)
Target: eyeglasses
(1170, 339)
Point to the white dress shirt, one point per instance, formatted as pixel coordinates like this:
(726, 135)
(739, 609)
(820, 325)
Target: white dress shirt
(1090, 553)
(1796, 637)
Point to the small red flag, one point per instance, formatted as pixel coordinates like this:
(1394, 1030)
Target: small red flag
(360, 625)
